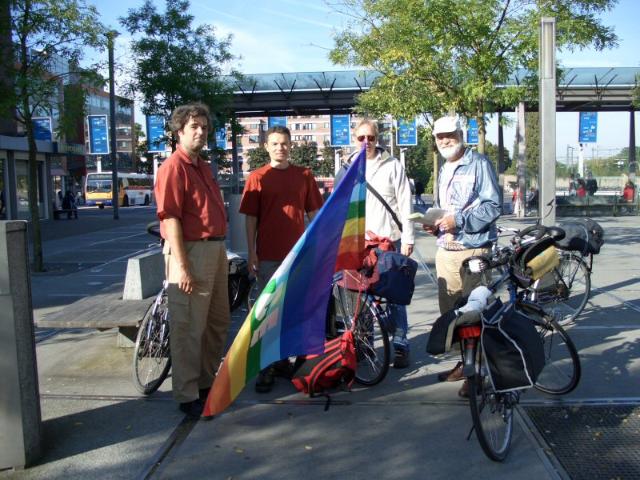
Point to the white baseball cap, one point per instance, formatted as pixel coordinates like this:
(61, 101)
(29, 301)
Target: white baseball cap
(446, 125)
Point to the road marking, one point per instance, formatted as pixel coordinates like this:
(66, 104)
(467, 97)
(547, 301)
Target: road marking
(93, 284)
(617, 298)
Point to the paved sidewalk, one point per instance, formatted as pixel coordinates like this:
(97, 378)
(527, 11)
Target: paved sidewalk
(408, 427)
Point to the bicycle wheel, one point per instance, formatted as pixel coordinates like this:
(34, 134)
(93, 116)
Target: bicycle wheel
(370, 335)
(491, 412)
(151, 356)
(562, 370)
(564, 291)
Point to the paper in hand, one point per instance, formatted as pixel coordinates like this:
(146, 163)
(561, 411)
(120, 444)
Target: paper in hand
(428, 218)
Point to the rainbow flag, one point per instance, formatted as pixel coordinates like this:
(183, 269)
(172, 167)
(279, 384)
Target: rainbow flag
(289, 316)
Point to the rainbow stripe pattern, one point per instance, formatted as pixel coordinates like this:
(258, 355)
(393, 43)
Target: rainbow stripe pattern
(289, 316)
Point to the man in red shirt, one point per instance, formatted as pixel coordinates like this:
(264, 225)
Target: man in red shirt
(274, 201)
(193, 225)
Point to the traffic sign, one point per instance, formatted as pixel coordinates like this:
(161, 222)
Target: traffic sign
(221, 138)
(98, 135)
(472, 132)
(42, 128)
(277, 121)
(588, 129)
(407, 133)
(155, 134)
(340, 130)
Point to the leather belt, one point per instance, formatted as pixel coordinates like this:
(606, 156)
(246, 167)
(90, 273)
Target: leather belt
(213, 239)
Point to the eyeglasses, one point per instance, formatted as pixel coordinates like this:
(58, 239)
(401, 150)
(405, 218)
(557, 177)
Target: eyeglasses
(361, 138)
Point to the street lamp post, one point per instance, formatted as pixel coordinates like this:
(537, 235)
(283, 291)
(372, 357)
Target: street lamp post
(111, 35)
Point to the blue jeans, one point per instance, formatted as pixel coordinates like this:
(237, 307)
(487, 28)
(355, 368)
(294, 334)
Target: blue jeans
(399, 327)
(398, 319)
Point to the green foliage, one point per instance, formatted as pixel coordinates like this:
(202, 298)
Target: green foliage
(438, 55)
(44, 34)
(326, 165)
(532, 147)
(491, 151)
(176, 62)
(258, 157)
(304, 154)
(419, 159)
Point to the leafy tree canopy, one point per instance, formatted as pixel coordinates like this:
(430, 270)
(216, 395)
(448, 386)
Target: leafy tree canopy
(176, 62)
(438, 56)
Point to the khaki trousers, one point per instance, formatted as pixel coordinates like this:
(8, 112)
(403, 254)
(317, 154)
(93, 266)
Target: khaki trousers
(199, 321)
(453, 283)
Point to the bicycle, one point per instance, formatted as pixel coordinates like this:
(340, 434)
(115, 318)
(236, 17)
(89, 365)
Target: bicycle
(352, 305)
(151, 353)
(492, 409)
(565, 290)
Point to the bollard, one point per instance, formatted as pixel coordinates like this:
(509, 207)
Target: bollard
(20, 417)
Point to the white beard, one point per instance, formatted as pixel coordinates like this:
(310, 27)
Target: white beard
(450, 152)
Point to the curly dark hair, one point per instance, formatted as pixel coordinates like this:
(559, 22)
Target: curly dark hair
(181, 115)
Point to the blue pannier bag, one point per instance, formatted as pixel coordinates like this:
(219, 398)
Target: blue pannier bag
(395, 274)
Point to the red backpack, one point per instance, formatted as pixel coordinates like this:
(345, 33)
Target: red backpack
(335, 368)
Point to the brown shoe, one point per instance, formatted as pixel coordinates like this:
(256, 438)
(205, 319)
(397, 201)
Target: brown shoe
(464, 390)
(453, 375)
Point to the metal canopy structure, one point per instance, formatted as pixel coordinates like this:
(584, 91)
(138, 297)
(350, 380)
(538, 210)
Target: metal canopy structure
(304, 93)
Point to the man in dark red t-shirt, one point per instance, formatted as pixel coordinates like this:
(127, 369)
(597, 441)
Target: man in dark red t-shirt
(193, 225)
(275, 200)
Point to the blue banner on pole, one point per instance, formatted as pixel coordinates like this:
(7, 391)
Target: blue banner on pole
(156, 136)
(98, 135)
(42, 128)
(277, 122)
(340, 130)
(588, 132)
(221, 138)
(472, 132)
(407, 133)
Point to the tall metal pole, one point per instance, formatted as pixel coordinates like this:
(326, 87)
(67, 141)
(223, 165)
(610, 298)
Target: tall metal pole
(632, 145)
(501, 159)
(111, 35)
(547, 73)
(521, 165)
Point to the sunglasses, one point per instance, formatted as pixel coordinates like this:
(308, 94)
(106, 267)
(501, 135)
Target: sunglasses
(361, 138)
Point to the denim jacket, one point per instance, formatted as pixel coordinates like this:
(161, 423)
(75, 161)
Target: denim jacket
(475, 200)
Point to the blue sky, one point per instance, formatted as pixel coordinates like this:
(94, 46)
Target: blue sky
(296, 35)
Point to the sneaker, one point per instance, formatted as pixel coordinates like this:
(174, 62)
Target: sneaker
(265, 380)
(192, 409)
(401, 359)
(464, 389)
(453, 375)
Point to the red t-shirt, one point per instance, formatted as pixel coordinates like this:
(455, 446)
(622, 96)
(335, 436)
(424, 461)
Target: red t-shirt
(189, 193)
(279, 199)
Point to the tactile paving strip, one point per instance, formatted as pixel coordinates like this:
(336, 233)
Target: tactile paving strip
(592, 442)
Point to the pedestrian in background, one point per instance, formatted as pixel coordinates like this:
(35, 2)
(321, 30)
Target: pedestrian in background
(193, 225)
(275, 200)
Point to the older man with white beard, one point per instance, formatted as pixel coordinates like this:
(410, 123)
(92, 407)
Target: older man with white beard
(468, 190)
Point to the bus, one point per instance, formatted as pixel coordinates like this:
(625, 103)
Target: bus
(133, 189)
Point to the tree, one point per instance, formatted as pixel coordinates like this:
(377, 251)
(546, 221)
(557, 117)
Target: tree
(418, 159)
(176, 63)
(326, 166)
(304, 154)
(436, 56)
(258, 157)
(46, 33)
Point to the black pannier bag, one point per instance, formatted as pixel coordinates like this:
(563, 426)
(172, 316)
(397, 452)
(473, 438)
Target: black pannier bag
(585, 236)
(513, 350)
(396, 275)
